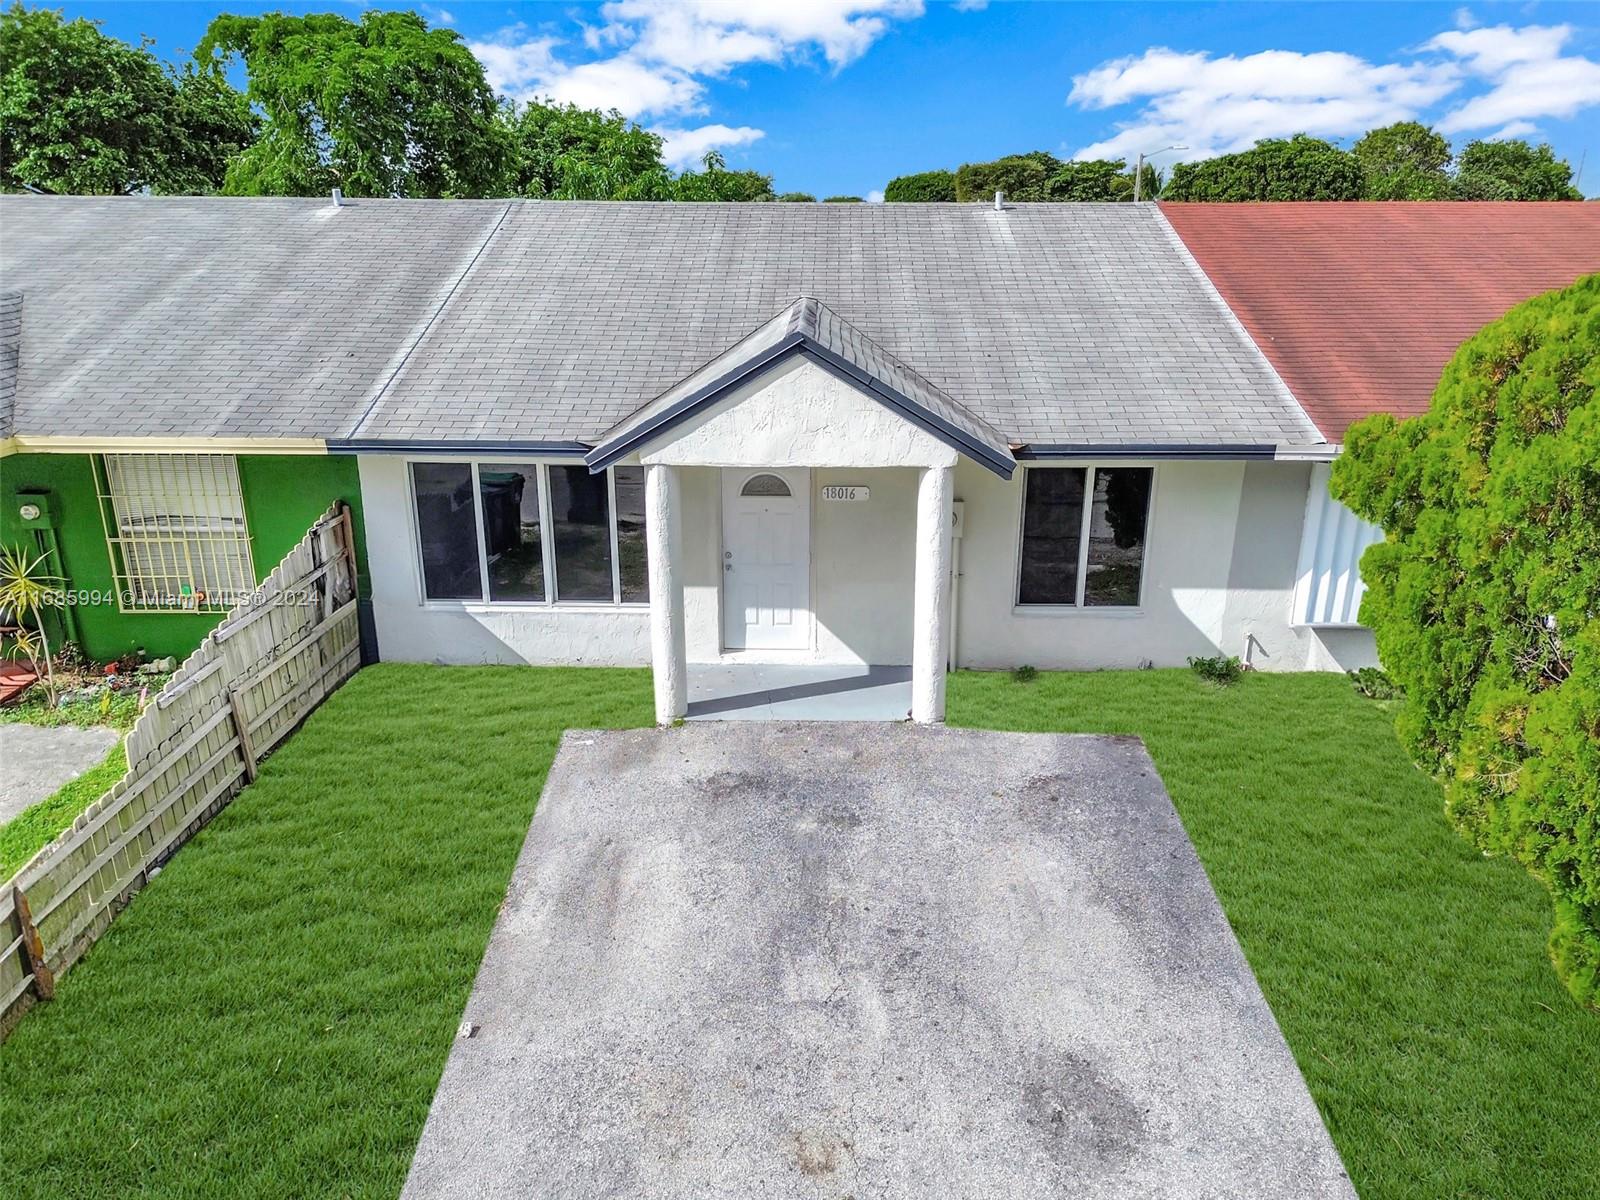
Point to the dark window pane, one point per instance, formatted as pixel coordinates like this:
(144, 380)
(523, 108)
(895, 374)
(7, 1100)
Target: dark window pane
(630, 534)
(444, 524)
(1052, 522)
(1116, 536)
(509, 496)
(582, 528)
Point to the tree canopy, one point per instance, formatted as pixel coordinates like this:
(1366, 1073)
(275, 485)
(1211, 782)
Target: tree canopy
(1297, 168)
(1484, 595)
(86, 113)
(925, 187)
(383, 106)
(1041, 177)
(1404, 161)
(563, 152)
(715, 182)
(1513, 170)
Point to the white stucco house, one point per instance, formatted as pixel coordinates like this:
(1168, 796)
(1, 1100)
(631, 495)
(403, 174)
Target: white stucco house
(924, 436)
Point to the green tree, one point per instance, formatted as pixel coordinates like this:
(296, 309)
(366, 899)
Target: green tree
(926, 187)
(1404, 161)
(795, 198)
(842, 200)
(563, 152)
(1100, 179)
(1485, 595)
(85, 113)
(715, 182)
(383, 106)
(1297, 168)
(1024, 178)
(1513, 170)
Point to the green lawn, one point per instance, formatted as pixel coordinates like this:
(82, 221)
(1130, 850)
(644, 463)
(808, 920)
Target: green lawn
(37, 825)
(270, 1017)
(1407, 971)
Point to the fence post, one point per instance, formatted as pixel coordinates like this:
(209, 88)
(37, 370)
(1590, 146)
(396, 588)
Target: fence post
(44, 979)
(241, 726)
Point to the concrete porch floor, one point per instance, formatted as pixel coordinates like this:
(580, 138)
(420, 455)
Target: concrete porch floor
(798, 692)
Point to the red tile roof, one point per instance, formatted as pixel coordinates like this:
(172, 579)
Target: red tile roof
(1360, 306)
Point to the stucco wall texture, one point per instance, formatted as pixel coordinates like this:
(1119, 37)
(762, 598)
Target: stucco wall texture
(1220, 563)
(282, 494)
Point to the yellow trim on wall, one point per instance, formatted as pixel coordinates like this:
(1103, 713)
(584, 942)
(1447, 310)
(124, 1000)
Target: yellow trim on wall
(24, 444)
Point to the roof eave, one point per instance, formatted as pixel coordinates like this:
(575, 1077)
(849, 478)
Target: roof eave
(632, 438)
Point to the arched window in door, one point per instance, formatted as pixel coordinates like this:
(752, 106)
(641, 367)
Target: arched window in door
(764, 485)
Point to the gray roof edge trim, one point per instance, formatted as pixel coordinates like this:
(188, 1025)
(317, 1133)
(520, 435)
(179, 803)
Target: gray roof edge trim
(1163, 450)
(1002, 464)
(798, 343)
(1232, 318)
(462, 446)
(630, 439)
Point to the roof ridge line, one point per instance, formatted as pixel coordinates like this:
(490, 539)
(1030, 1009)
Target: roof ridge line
(1232, 318)
(429, 322)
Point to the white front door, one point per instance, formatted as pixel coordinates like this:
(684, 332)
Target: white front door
(766, 559)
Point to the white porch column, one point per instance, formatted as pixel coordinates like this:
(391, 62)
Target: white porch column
(931, 606)
(663, 520)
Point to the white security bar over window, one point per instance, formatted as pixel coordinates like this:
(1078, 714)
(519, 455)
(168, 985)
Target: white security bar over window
(176, 531)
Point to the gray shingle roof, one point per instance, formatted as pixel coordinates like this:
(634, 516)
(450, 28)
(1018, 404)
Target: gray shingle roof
(10, 354)
(220, 317)
(809, 327)
(540, 321)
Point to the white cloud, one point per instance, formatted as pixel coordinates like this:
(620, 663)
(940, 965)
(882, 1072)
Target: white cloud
(514, 61)
(625, 84)
(1499, 78)
(1517, 129)
(655, 55)
(875, 197)
(1464, 19)
(1214, 105)
(971, 5)
(1529, 76)
(712, 36)
(686, 147)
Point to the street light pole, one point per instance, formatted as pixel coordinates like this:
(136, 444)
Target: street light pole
(1138, 170)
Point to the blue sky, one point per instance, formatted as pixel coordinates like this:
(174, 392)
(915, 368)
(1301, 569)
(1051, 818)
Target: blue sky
(839, 96)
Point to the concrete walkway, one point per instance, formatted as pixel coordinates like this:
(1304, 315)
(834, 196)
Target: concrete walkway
(865, 960)
(35, 761)
(798, 692)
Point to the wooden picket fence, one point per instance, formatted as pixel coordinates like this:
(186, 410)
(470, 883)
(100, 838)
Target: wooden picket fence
(256, 676)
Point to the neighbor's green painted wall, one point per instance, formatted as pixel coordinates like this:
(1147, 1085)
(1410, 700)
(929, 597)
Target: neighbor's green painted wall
(283, 494)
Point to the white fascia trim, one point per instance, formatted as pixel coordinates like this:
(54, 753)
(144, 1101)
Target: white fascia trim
(24, 444)
(1326, 452)
(1232, 318)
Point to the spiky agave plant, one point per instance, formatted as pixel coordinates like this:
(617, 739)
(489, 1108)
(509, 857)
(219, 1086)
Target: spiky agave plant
(26, 590)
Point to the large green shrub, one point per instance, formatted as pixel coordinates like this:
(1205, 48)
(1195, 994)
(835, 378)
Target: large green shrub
(1485, 595)
(926, 187)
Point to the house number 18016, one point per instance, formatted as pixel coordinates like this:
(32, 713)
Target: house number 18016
(846, 492)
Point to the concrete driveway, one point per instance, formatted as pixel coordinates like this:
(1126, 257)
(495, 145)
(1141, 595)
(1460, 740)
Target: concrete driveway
(865, 961)
(36, 760)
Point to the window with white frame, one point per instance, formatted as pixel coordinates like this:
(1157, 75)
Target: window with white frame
(1083, 536)
(530, 533)
(176, 531)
